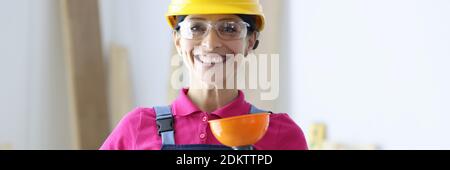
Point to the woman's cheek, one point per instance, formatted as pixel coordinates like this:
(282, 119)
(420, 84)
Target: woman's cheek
(238, 47)
(186, 59)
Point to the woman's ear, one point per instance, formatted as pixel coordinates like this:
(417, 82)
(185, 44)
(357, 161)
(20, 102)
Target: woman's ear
(253, 41)
(176, 41)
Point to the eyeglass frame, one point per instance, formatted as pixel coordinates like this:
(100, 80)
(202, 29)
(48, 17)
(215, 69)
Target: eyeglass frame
(211, 24)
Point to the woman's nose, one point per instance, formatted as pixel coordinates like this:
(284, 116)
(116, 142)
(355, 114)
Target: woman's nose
(211, 40)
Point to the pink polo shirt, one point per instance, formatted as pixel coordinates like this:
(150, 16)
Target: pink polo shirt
(138, 131)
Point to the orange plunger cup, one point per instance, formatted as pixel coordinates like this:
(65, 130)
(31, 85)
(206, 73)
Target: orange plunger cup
(240, 132)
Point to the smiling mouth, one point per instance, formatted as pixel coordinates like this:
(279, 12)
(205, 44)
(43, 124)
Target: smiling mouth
(210, 60)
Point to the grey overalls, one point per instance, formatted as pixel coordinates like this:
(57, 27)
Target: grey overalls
(164, 122)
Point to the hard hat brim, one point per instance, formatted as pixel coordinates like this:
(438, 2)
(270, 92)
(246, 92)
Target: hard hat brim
(205, 9)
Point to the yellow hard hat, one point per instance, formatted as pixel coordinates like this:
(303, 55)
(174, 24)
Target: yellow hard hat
(190, 7)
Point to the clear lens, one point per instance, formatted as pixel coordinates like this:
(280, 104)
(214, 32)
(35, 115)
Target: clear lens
(227, 30)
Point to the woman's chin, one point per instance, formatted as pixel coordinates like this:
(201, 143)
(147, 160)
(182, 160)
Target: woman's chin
(206, 81)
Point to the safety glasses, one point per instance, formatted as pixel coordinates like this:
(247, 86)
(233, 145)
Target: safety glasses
(226, 29)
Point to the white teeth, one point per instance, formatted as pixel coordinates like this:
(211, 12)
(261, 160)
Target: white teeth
(211, 59)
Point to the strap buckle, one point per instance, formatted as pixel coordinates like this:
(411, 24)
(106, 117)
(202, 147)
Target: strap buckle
(164, 124)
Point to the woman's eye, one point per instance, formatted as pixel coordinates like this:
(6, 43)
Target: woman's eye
(197, 28)
(229, 29)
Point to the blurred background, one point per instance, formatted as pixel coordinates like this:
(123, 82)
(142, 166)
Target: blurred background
(355, 74)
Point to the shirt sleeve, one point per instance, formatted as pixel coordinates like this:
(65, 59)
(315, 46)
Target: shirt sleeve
(124, 135)
(290, 136)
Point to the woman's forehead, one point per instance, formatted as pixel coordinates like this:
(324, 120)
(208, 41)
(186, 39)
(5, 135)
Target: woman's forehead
(214, 17)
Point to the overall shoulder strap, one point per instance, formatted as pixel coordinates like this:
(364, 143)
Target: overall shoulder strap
(254, 110)
(164, 122)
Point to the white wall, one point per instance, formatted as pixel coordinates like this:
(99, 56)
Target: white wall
(33, 96)
(34, 111)
(374, 71)
(140, 26)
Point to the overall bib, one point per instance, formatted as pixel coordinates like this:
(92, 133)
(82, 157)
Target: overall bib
(164, 122)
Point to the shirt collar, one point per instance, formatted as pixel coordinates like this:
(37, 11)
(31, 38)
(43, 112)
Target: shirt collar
(183, 106)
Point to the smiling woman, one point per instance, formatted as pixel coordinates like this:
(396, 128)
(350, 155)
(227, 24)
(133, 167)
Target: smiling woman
(204, 48)
(210, 36)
